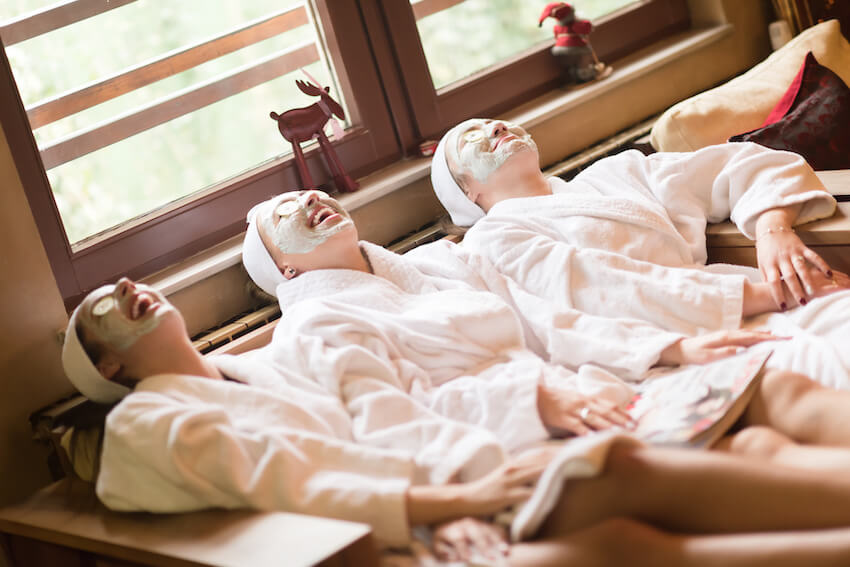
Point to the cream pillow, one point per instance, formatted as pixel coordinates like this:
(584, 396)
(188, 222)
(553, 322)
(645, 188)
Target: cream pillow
(743, 103)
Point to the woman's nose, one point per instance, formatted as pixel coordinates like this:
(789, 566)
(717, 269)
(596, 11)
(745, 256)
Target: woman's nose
(309, 198)
(497, 128)
(124, 286)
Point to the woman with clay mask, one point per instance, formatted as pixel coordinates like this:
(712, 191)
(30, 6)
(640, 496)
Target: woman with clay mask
(242, 432)
(626, 238)
(421, 324)
(424, 319)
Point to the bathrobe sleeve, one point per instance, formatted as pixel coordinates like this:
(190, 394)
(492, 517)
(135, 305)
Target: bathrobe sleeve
(737, 180)
(626, 347)
(175, 453)
(591, 306)
(602, 283)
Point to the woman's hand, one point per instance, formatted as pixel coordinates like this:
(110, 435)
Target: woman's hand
(566, 412)
(824, 285)
(712, 346)
(470, 540)
(783, 258)
(509, 484)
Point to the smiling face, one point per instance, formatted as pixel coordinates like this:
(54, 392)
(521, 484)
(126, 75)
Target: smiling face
(479, 147)
(307, 230)
(302, 220)
(117, 316)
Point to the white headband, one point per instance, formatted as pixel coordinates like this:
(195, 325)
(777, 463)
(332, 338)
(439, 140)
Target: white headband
(255, 256)
(82, 373)
(463, 211)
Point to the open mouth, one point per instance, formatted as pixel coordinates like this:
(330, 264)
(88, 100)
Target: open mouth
(505, 138)
(142, 303)
(320, 215)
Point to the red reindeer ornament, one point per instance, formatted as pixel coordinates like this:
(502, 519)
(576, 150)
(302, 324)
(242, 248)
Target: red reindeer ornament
(303, 124)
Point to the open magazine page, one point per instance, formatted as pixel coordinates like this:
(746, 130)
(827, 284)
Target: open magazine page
(695, 405)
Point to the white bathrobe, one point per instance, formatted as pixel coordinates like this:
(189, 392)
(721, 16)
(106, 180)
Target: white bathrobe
(458, 350)
(181, 443)
(279, 441)
(626, 239)
(370, 384)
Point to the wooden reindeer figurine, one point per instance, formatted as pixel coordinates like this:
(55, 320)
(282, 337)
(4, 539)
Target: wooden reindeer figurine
(303, 124)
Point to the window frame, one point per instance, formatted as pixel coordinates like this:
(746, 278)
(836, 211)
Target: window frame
(174, 232)
(517, 80)
(370, 57)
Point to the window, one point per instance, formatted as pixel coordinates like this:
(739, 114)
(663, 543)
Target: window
(141, 130)
(513, 81)
(486, 32)
(132, 132)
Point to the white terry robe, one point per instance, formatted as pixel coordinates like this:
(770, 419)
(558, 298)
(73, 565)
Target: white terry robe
(620, 240)
(278, 442)
(458, 350)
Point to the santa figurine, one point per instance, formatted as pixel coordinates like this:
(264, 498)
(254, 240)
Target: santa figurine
(572, 47)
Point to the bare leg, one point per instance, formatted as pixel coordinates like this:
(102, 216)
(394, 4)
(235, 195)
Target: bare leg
(701, 492)
(802, 409)
(767, 444)
(625, 542)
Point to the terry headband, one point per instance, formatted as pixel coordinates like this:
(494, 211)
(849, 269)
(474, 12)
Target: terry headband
(82, 373)
(463, 211)
(256, 258)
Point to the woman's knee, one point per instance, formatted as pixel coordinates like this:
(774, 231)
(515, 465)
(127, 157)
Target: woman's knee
(755, 441)
(782, 387)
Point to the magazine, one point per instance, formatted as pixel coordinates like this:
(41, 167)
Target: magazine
(695, 405)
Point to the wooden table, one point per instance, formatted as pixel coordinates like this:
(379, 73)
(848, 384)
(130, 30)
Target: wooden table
(65, 525)
(828, 237)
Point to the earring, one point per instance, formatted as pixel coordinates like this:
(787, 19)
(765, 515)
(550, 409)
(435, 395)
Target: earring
(290, 272)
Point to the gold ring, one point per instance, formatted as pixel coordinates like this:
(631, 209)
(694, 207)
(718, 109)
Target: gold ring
(584, 413)
(799, 259)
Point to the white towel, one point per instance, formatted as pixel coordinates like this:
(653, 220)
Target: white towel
(463, 211)
(82, 373)
(256, 258)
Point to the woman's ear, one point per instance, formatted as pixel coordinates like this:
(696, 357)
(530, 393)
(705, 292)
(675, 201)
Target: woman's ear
(108, 366)
(463, 181)
(471, 190)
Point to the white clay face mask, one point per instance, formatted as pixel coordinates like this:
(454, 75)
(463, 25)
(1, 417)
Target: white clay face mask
(301, 228)
(475, 156)
(120, 321)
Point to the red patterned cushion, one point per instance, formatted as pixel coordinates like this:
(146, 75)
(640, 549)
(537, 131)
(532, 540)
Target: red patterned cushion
(812, 119)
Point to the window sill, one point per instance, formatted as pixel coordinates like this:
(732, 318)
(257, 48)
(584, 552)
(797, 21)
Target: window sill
(626, 70)
(228, 253)
(396, 199)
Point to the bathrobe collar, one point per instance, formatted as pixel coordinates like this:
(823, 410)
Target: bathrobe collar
(388, 267)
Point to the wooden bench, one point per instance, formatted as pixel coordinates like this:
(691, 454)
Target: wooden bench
(64, 524)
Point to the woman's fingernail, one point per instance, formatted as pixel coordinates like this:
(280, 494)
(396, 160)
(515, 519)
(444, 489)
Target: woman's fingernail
(782, 306)
(829, 273)
(803, 301)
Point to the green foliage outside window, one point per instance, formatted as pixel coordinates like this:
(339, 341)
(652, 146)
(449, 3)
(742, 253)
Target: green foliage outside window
(154, 168)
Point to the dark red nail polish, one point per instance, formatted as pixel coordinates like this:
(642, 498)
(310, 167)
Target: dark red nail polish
(783, 306)
(829, 273)
(803, 301)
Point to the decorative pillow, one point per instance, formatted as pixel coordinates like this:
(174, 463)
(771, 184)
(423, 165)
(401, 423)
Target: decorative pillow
(743, 103)
(812, 119)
